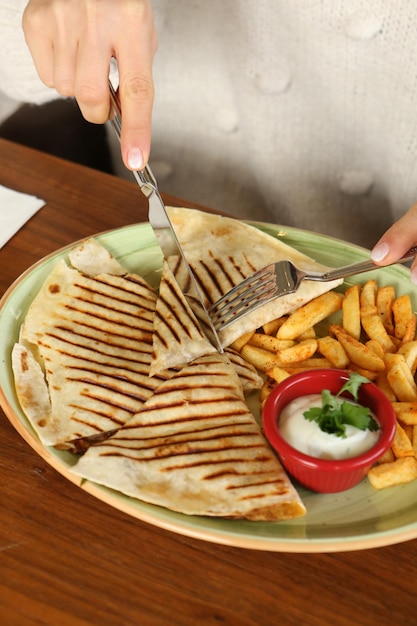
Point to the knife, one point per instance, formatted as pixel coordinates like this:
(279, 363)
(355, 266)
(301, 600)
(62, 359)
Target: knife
(165, 233)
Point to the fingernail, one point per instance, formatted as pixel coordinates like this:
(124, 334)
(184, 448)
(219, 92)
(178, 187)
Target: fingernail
(135, 159)
(414, 276)
(380, 252)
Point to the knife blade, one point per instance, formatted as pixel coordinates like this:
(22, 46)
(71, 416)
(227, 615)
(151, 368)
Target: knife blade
(165, 234)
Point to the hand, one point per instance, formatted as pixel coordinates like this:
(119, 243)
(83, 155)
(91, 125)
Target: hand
(72, 43)
(397, 240)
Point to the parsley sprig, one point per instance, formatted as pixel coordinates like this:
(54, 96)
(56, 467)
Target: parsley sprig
(333, 416)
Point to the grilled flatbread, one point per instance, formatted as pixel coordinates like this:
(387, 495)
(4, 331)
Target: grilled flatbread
(195, 448)
(178, 337)
(81, 366)
(248, 375)
(223, 251)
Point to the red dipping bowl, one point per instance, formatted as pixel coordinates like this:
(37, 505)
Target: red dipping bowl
(324, 475)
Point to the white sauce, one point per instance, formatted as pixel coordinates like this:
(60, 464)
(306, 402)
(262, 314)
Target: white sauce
(307, 436)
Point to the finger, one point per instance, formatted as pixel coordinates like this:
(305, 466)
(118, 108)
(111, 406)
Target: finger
(65, 56)
(397, 240)
(40, 45)
(136, 98)
(91, 88)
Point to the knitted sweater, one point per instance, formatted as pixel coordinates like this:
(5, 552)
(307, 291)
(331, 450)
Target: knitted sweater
(298, 113)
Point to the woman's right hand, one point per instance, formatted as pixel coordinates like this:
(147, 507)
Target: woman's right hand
(72, 43)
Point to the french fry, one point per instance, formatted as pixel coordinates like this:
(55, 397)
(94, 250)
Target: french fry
(351, 315)
(266, 389)
(368, 296)
(406, 412)
(369, 374)
(310, 314)
(410, 330)
(333, 351)
(308, 364)
(263, 360)
(409, 352)
(401, 310)
(401, 445)
(387, 457)
(401, 471)
(400, 378)
(310, 333)
(300, 352)
(382, 382)
(374, 328)
(376, 347)
(384, 298)
(415, 440)
(271, 328)
(408, 429)
(241, 341)
(357, 352)
(269, 342)
(278, 374)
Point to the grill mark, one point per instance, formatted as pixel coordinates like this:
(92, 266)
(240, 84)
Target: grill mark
(236, 474)
(135, 279)
(198, 462)
(133, 284)
(160, 338)
(188, 381)
(180, 443)
(203, 285)
(96, 349)
(141, 290)
(88, 319)
(122, 377)
(264, 494)
(138, 303)
(105, 386)
(200, 403)
(111, 418)
(176, 319)
(145, 334)
(209, 274)
(207, 360)
(213, 275)
(167, 326)
(191, 418)
(181, 274)
(260, 483)
(186, 432)
(111, 401)
(97, 315)
(87, 423)
(182, 384)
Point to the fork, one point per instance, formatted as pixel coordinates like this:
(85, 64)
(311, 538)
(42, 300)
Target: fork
(277, 280)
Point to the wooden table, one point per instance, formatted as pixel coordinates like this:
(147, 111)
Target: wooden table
(67, 558)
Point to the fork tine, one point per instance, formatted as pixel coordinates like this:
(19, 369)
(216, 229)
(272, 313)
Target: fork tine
(262, 289)
(233, 314)
(247, 286)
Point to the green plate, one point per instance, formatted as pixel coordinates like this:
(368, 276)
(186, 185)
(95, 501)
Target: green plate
(356, 519)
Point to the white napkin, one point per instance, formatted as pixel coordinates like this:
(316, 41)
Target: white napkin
(15, 209)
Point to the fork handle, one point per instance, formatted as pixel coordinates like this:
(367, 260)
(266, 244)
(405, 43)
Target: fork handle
(359, 268)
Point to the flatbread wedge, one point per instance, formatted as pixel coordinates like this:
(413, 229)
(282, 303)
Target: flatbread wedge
(223, 251)
(195, 448)
(81, 365)
(178, 337)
